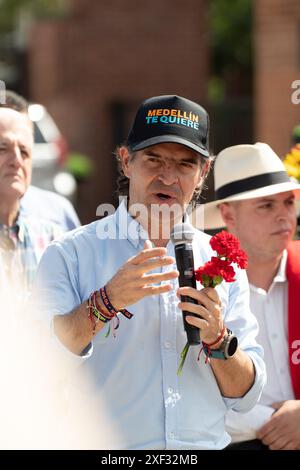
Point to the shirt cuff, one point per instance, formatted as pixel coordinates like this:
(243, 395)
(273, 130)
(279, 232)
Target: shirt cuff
(250, 399)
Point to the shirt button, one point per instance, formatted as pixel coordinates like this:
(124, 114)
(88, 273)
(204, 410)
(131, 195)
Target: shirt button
(274, 336)
(170, 390)
(167, 345)
(171, 435)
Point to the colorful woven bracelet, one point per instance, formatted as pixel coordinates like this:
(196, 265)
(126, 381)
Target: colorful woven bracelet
(91, 317)
(97, 311)
(110, 307)
(100, 309)
(94, 315)
(207, 347)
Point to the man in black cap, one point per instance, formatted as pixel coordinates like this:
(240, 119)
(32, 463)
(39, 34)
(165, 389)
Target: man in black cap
(90, 278)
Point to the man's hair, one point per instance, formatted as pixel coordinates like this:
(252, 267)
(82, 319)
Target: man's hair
(123, 181)
(15, 101)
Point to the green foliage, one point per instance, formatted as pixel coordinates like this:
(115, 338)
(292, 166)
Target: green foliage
(10, 9)
(231, 24)
(81, 166)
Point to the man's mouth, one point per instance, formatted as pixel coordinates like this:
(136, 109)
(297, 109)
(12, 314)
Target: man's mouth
(283, 231)
(12, 174)
(163, 196)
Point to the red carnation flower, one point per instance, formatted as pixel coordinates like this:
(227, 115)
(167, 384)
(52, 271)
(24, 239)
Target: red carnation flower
(228, 246)
(214, 271)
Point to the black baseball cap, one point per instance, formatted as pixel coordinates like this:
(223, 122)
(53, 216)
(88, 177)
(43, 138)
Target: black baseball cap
(170, 118)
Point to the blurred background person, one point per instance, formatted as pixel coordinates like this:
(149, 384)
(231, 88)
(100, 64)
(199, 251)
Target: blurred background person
(36, 201)
(22, 238)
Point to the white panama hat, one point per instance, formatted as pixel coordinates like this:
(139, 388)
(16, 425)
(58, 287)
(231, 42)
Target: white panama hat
(246, 172)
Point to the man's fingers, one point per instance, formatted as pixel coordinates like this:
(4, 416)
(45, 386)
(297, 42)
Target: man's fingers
(146, 254)
(266, 429)
(148, 245)
(195, 308)
(154, 263)
(197, 322)
(154, 278)
(155, 290)
(272, 438)
(279, 444)
(212, 294)
(277, 405)
(201, 296)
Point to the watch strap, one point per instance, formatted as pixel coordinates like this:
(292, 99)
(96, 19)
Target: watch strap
(214, 353)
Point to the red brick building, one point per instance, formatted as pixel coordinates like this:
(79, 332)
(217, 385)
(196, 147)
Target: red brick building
(92, 68)
(277, 66)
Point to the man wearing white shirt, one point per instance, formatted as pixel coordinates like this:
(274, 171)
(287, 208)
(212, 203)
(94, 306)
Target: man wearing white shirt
(256, 202)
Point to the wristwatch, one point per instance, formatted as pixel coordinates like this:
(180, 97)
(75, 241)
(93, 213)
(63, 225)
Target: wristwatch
(227, 348)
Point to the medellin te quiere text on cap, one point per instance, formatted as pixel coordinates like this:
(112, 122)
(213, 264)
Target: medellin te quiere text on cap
(173, 116)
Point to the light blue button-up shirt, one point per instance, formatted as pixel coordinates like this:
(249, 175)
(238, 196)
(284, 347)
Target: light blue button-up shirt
(135, 374)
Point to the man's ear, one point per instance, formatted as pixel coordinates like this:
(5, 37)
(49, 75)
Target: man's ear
(125, 159)
(205, 169)
(203, 173)
(228, 214)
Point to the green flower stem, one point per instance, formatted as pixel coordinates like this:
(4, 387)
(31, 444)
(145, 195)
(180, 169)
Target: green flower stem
(183, 358)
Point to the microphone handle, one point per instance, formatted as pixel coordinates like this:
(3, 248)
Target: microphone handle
(185, 264)
(192, 332)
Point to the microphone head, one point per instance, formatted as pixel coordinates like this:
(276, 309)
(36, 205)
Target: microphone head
(182, 233)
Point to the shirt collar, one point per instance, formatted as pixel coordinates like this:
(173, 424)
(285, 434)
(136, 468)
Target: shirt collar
(130, 228)
(17, 230)
(281, 273)
(280, 276)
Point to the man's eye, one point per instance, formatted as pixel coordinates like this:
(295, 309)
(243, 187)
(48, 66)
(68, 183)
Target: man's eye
(265, 206)
(187, 164)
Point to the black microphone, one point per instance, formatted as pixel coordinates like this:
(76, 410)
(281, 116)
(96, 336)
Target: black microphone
(182, 236)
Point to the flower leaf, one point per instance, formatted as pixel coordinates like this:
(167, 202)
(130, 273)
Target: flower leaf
(217, 280)
(183, 358)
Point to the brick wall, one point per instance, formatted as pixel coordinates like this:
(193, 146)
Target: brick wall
(277, 65)
(94, 67)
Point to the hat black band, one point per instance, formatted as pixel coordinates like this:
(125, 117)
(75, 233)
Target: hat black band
(253, 182)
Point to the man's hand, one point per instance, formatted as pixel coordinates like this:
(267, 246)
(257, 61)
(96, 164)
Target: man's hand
(209, 308)
(132, 283)
(282, 431)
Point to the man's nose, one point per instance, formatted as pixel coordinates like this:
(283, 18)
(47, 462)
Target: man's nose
(15, 156)
(168, 174)
(284, 213)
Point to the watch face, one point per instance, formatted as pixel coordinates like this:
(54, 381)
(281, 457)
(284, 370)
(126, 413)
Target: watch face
(232, 345)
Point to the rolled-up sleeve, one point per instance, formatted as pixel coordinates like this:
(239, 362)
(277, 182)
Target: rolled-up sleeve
(243, 323)
(55, 293)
